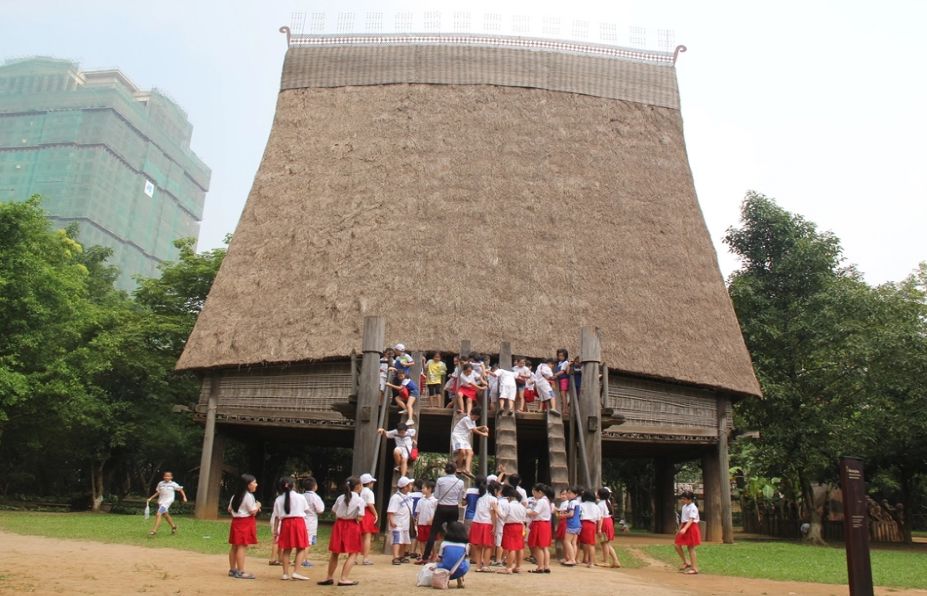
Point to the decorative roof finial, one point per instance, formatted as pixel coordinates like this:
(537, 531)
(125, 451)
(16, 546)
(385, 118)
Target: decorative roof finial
(679, 49)
(286, 30)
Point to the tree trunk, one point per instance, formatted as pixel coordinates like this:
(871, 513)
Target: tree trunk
(907, 499)
(96, 485)
(814, 535)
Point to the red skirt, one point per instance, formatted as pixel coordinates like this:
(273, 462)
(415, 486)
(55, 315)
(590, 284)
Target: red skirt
(564, 384)
(691, 537)
(293, 533)
(243, 531)
(561, 529)
(539, 534)
(469, 392)
(513, 536)
(482, 534)
(587, 534)
(346, 536)
(423, 532)
(367, 524)
(608, 528)
(530, 394)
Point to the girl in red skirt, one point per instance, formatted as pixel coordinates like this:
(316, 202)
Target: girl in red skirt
(469, 383)
(689, 534)
(539, 532)
(290, 527)
(609, 556)
(370, 522)
(243, 532)
(591, 517)
(346, 533)
(513, 532)
(482, 537)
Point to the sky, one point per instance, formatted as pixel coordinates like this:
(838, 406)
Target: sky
(819, 105)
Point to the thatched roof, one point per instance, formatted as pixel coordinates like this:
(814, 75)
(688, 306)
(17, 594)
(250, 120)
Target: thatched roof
(470, 211)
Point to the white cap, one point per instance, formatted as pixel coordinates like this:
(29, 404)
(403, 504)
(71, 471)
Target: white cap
(492, 478)
(367, 479)
(400, 347)
(404, 482)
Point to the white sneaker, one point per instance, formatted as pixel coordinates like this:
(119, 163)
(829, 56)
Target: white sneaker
(410, 422)
(285, 577)
(299, 576)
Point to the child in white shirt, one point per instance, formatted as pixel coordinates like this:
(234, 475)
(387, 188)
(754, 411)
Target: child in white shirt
(165, 493)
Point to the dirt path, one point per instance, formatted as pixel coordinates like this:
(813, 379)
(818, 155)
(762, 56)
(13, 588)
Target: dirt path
(37, 565)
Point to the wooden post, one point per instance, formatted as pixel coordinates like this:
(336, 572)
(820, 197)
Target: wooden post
(366, 440)
(484, 421)
(724, 465)
(711, 478)
(665, 474)
(590, 400)
(580, 439)
(856, 526)
(505, 356)
(206, 492)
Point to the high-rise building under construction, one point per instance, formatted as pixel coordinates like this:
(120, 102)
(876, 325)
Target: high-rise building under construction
(104, 154)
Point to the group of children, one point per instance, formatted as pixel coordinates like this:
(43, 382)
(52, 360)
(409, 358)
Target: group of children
(508, 390)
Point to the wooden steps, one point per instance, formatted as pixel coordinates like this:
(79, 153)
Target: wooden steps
(506, 443)
(556, 447)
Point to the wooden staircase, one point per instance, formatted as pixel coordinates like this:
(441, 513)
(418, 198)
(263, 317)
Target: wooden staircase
(506, 443)
(556, 446)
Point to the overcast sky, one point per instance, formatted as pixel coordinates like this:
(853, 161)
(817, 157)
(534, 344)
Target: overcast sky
(818, 104)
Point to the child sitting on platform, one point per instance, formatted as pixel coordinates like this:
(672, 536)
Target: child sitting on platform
(469, 384)
(405, 442)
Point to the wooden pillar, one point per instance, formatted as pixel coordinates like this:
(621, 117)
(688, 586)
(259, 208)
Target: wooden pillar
(590, 424)
(368, 397)
(711, 506)
(505, 356)
(724, 465)
(665, 495)
(206, 492)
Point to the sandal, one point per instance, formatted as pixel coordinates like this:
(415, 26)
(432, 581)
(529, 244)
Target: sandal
(536, 571)
(350, 583)
(326, 582)
(397, 561)
(692, 571)
(243, 575)
(174, 530)
(274, 563)
(684, 567)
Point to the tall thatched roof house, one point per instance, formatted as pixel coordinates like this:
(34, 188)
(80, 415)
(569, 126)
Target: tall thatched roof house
(488, 188)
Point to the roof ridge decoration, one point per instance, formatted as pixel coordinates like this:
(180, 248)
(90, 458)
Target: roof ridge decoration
(482, 40)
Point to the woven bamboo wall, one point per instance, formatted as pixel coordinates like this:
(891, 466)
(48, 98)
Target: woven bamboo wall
(651, 405)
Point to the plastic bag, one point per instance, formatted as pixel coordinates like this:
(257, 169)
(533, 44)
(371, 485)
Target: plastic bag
(424, 575)
(147, 510)
(440, 579)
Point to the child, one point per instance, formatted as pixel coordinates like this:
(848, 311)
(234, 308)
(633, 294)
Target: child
(513, 530)
(290, 527)
(481, 529)
(591, 518)
(425, 513)
(346, 533)
(508, 389)
(689, 534)
(609, 556)
(545, 393)
(454, 551)
(405, 441)
(435, 370)
(275, 549)
(316, 506)
(386, 363)
(502, 510)
(522, 374)
(469, 384)
(576, 369)
(243, 531)
(539, 532)
(562, 375)
(165, 493)
(460, 440)
(470, 498)
(405, 393)
(404, 361)
(399, 515)
(370, 524)
(570, 518)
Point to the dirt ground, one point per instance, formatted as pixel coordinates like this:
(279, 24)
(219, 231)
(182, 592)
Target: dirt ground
(37, 565)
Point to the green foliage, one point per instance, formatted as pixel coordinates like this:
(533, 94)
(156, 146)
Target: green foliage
(87, 387)
(789, 561)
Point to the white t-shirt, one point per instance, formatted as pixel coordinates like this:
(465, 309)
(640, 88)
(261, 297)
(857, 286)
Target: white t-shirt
(166, 492)
(471, 378)
(564, 507)
(516, 513)
(483, 514)
(403, 442)
(542, 508)
(352, 509)
(298, 506)
(316, 506)
(462, 430)
(425, 510)
(367, 495)
(502, 511)
(603, 507)
(589, 511)
(449, 490)
(689, 512)
(248, 504)
(523, 493)
(506, 377)
(522, 371)
(542, 375)
(400, 505)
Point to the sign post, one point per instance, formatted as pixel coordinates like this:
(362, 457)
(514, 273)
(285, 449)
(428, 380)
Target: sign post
(856, 526)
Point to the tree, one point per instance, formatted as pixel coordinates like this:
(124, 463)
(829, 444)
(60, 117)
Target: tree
(804, 319)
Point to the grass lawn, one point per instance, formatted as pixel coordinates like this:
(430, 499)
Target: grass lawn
(201, 536)
(790, 561)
